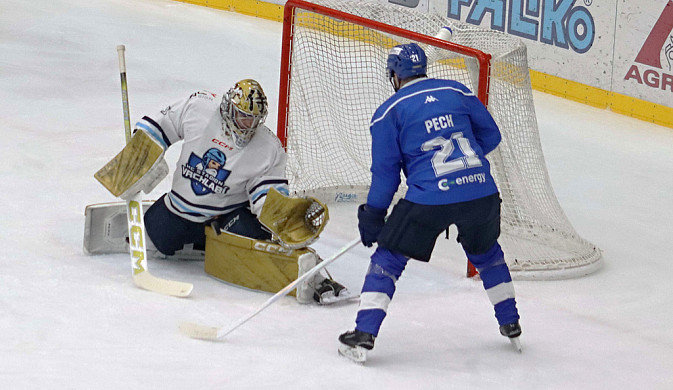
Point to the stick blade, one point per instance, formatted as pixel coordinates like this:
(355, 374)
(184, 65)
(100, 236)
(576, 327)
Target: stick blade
(197, 331)
(150, 282)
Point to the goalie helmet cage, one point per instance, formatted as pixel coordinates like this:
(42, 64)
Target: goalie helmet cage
(333, 78)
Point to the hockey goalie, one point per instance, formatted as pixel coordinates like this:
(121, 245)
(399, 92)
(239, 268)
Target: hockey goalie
(228, 201)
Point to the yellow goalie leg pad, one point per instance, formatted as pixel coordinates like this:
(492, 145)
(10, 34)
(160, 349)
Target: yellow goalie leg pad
(296, 222)
(138, 167)
(256, 264)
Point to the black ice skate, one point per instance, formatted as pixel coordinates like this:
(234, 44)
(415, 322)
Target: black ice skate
(512, 331)
(355, 344)
(328, 291)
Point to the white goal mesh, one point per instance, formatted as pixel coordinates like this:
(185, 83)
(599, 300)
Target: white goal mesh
(334, 79)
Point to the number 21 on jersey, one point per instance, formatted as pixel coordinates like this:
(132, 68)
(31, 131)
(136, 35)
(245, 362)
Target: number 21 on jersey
(440, 160)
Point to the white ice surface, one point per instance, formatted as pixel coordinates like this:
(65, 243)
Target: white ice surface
(70, 321)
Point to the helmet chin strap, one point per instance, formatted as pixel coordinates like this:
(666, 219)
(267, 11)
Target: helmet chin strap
(395, 81)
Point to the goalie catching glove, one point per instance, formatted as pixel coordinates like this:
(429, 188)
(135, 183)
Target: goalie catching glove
(140, 166)
(294, 222)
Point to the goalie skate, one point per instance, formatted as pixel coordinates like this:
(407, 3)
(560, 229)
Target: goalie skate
(328, 292)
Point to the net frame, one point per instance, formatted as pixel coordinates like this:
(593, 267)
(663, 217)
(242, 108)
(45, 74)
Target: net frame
(538, 240)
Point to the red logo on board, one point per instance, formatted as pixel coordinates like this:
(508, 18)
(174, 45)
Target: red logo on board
(660, 39)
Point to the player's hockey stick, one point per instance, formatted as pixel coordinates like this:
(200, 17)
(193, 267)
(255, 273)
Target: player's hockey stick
(213, 333)
(136, 224)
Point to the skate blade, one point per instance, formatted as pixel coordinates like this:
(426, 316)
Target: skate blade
(516, 343)
(357, 355)
(328, 298)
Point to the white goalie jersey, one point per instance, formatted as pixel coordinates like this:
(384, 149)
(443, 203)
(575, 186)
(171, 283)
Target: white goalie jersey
(213, 177)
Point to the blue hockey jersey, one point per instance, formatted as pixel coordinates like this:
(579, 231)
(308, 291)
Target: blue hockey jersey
(437, 133)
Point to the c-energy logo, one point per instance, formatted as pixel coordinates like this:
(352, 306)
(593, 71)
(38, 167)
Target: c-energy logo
(560, 23)
(658, 44)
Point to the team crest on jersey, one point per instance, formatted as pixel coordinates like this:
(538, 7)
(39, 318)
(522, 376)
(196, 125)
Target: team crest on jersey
(207, 173)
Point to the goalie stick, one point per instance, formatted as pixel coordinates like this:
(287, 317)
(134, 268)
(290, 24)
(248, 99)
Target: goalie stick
(136, 224)
(204, 332)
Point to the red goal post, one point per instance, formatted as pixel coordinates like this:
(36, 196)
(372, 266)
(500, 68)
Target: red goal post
(482, 58)
(332, 79)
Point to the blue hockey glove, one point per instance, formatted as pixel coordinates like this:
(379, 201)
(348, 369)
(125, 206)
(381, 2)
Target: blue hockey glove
(370, 223)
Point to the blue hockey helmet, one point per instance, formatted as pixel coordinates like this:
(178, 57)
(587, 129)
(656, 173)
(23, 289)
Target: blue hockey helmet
(406, 61)
(214, 154)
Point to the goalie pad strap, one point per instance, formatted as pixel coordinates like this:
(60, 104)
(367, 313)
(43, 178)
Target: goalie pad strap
(140, 166)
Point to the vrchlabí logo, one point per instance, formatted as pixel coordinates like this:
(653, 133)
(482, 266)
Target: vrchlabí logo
(657, 45)
(207, 173)
(559, 23)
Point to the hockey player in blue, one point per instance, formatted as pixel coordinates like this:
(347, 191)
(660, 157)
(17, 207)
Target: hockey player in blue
(437, 133)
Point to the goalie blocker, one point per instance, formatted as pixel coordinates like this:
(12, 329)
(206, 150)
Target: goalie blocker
(140, 166)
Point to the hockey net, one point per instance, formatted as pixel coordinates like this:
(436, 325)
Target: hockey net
(333, 78)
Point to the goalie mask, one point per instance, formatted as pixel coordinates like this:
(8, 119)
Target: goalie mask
(243, 109)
